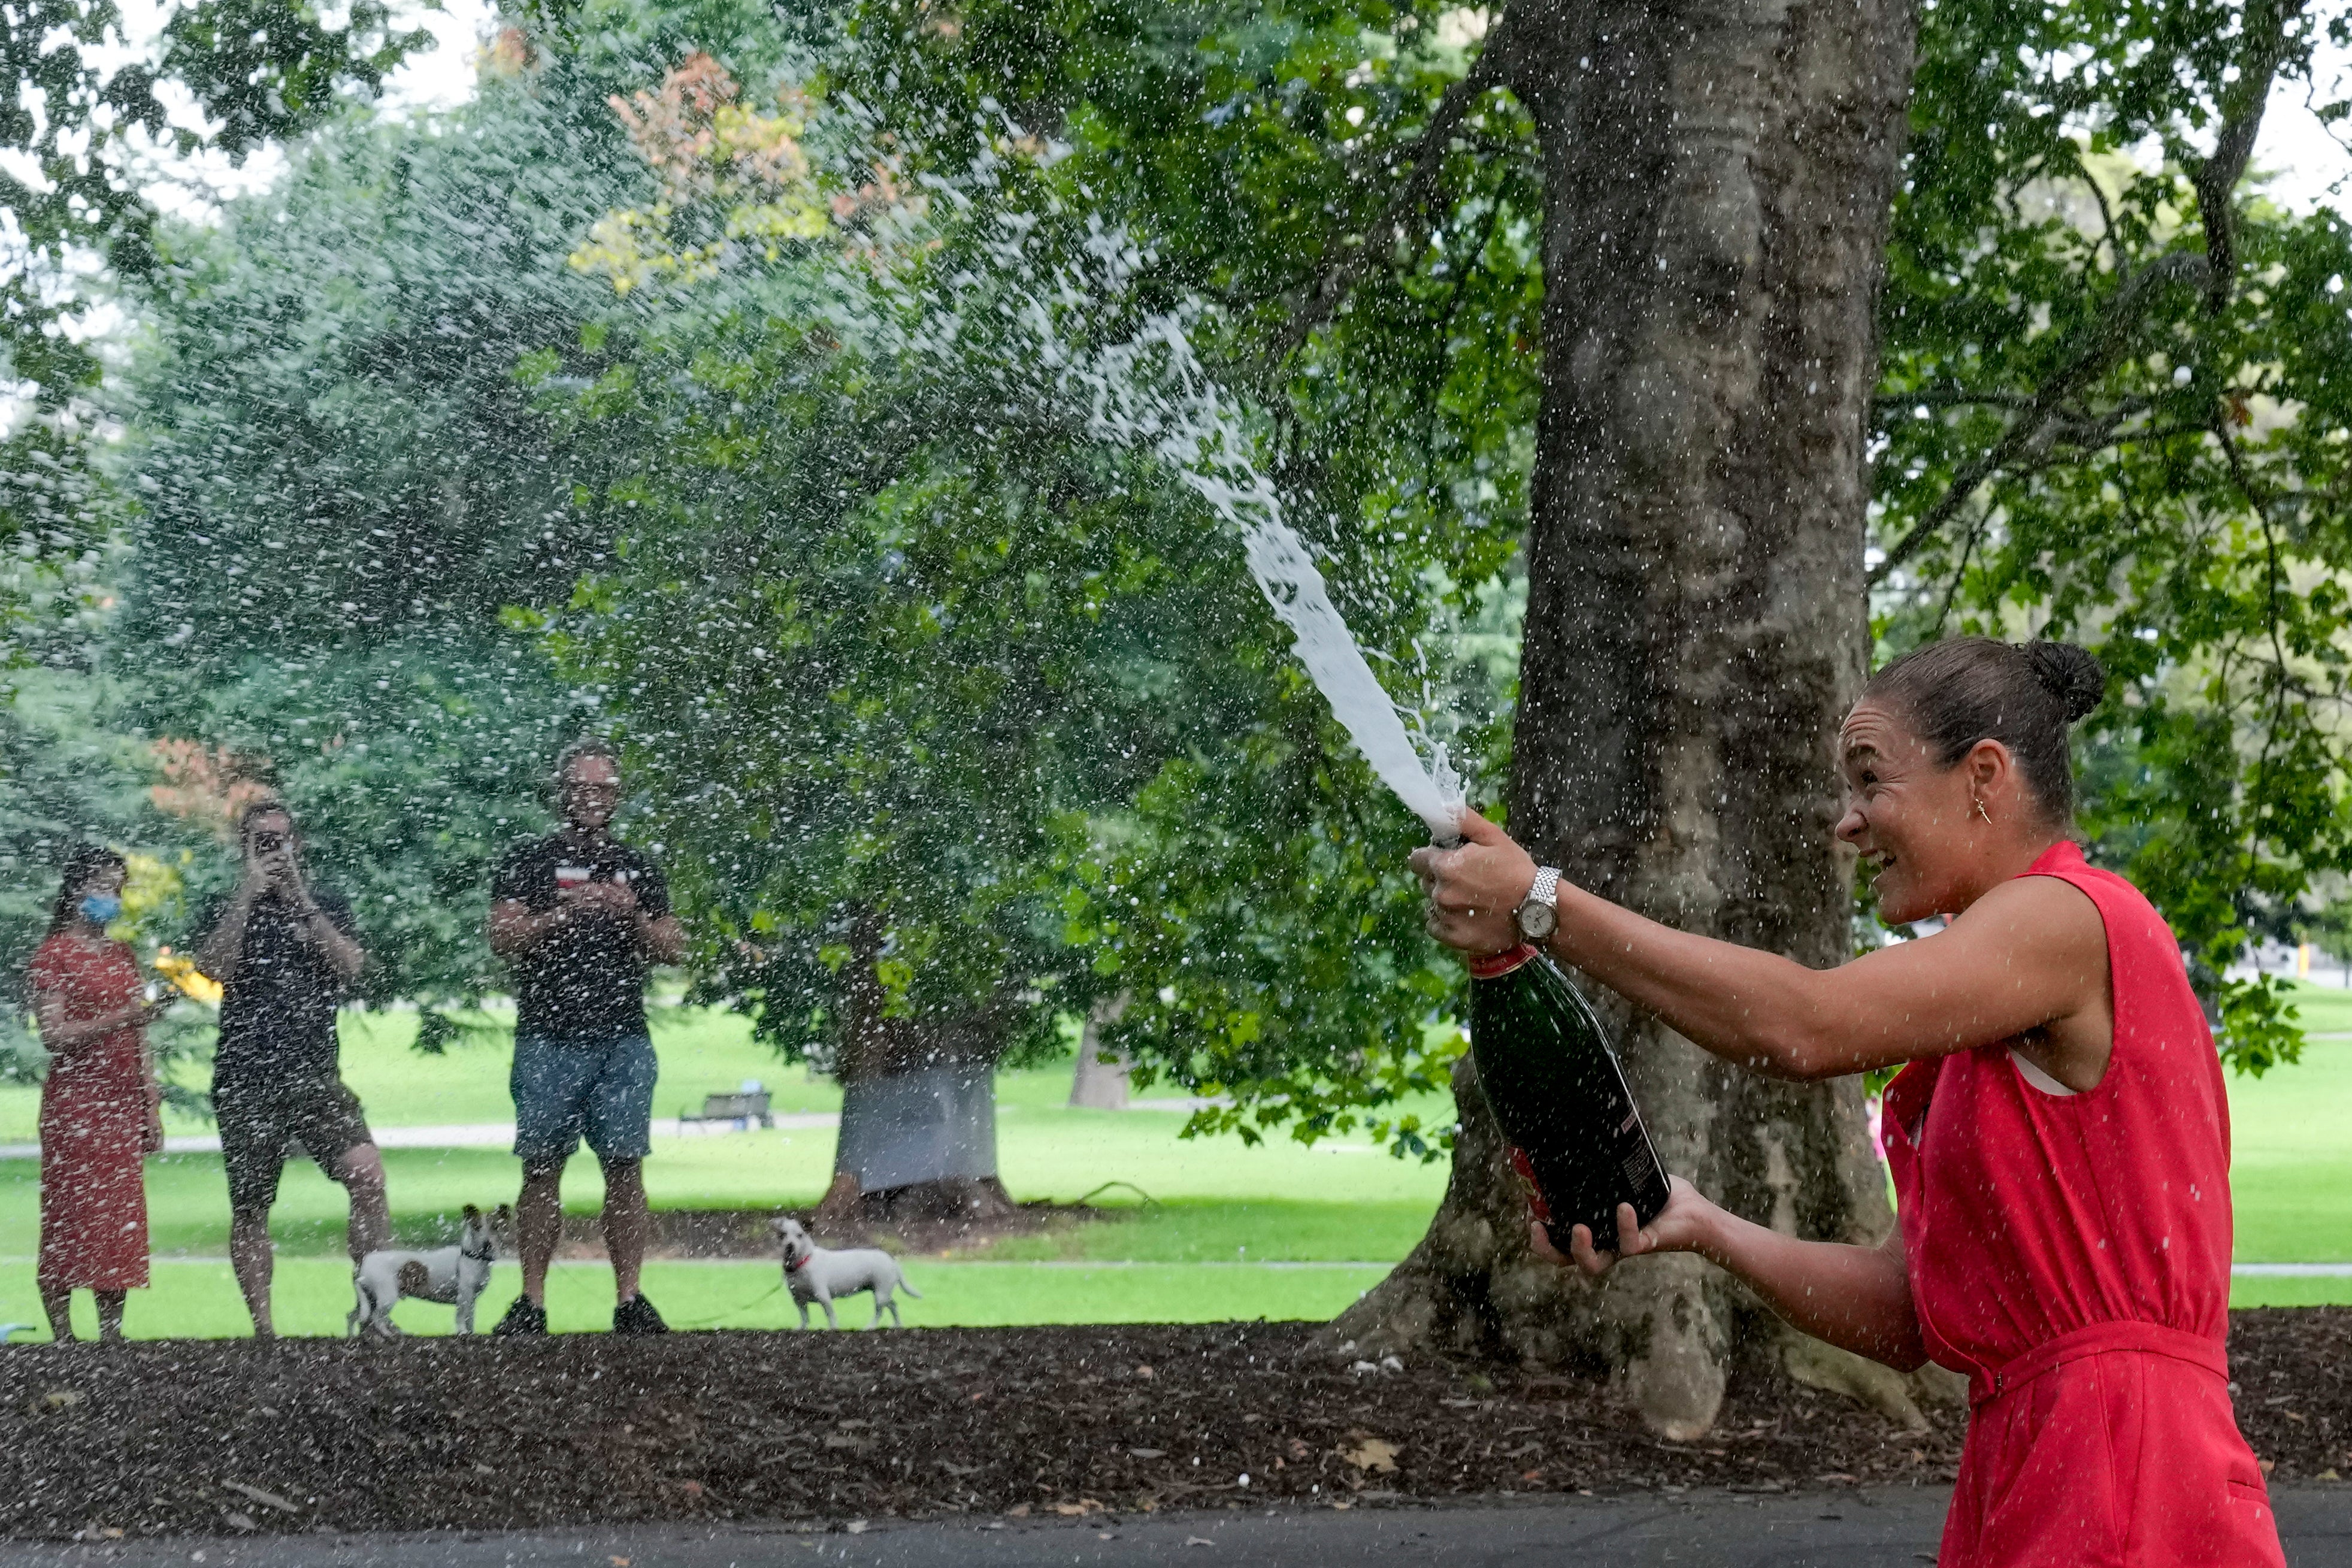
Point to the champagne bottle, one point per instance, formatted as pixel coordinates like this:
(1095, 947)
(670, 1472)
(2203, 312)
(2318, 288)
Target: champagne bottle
(1555, 1085)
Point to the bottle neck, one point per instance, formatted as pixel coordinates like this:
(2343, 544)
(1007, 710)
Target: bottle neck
(1495, 965)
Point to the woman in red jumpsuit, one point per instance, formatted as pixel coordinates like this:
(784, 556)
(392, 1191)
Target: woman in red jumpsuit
(99, 1102)
(2059, 1139)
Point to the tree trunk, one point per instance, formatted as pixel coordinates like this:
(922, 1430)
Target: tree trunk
(1718, 178)
(1101, 1080)
(917, 1138)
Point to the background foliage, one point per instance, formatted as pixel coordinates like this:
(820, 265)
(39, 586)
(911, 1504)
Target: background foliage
(687, 384)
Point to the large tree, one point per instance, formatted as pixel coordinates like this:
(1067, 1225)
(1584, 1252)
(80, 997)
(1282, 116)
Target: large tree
(1717, 184)
(89, 122)
(2106, 403)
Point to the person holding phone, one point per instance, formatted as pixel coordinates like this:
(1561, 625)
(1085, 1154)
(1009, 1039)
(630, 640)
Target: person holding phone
(285, 950)
(101, 1107)
(2058, 1135)
(580, 918)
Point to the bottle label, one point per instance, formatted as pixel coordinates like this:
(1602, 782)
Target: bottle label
(1536, 1205)
(1495, 965)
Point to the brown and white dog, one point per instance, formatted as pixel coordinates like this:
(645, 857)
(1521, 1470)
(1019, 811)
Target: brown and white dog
(813, 1274)
(453, 1276)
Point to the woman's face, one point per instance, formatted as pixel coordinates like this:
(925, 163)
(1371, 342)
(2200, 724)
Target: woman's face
(1914, 823)
(106, 882)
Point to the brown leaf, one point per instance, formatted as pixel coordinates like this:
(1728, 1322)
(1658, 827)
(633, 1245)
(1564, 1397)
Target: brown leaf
(1372, 1454)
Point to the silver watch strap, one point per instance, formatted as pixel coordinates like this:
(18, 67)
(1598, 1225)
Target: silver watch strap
(1547, 886)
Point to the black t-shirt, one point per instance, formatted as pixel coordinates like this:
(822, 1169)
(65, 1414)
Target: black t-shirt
(278, 1011)
(585, 981)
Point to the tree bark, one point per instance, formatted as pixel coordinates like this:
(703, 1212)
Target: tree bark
(1101, 1081)
(1719, 175)
(917, 1137)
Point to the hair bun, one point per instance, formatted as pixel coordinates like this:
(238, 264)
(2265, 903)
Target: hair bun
(2070, 673)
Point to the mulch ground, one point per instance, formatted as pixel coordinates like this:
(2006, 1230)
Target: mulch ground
(208, 1436)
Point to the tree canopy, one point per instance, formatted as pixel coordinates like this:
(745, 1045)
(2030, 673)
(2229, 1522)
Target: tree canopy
(684, 384)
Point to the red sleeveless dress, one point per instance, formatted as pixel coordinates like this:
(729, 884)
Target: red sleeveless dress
(93, 1115)
(2071, 1255)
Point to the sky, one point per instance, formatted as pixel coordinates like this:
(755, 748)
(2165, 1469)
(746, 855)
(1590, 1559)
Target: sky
(2310, 167)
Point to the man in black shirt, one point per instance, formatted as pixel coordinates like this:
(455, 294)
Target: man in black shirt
(283, 950)
(580, 918)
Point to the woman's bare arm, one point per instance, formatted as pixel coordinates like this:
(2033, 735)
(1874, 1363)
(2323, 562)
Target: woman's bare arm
(59, 1034)
(2020, 957)
(2031, 952)
(1856, 1298)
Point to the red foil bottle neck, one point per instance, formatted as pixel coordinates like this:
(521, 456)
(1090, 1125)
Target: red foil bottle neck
(1495, 965)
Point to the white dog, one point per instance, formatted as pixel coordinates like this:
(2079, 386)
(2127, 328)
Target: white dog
(813, 1274)
(453, 1276)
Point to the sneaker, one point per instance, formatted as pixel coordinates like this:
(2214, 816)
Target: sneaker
(636, 1316)
(525, 1317)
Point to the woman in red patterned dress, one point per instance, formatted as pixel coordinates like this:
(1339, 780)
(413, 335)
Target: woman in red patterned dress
(2058, 1136)
(100, 1105)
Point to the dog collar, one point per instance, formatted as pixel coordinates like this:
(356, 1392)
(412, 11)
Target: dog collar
(478, 1256)
(796, 1267)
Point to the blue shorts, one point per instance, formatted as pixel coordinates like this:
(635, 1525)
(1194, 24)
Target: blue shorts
(564, 1091)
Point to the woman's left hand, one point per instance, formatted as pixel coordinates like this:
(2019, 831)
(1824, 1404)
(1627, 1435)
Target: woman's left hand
(1474, 891)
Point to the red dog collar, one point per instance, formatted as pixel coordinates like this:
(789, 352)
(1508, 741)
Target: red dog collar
(796, 1267)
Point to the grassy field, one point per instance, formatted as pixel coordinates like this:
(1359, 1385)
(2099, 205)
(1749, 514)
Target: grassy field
(702, 1053)
(312, 1296)
(1230, 1232)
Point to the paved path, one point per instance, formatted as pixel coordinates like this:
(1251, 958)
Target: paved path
(500, 1135)
(1842, 1529)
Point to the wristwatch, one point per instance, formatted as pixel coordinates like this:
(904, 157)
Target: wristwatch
(1539, 917)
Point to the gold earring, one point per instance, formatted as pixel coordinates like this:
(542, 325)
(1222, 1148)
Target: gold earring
(1982, 811)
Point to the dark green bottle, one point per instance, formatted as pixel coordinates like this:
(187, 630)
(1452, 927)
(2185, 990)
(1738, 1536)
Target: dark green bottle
(1555, 1085)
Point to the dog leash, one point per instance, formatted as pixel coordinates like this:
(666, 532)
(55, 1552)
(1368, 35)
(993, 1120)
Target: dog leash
(776, 1288)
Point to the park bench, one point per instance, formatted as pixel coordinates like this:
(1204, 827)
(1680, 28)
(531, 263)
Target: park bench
(747, 1106)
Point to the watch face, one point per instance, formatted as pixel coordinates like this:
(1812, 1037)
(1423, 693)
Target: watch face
(1537, 920)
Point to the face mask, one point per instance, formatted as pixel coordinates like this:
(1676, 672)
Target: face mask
(101, 907)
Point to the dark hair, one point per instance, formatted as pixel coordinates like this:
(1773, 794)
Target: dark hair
(579, 751)
(1961, 691)
(83, 861)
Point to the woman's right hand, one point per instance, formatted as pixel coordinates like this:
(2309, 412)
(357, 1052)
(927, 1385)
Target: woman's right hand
(1683, 1225)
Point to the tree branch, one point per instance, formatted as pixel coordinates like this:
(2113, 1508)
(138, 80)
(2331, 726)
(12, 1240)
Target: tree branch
(2265, 29)
(1323, 298)
(2040, 423)
(1951, 398)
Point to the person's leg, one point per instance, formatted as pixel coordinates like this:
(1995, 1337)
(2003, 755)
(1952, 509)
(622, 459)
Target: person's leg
(56, 1301)
(538, 1226)
(549, 1083)
(618, 1119)
(626, 1223)
(110, 1316)
(361, 1171)
(249, 1256)
(252, 1133)
(328, 1118)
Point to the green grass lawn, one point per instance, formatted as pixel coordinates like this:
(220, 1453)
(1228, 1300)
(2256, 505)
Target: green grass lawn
(313, 1296)
(702, 1052)
(1213, 1202)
